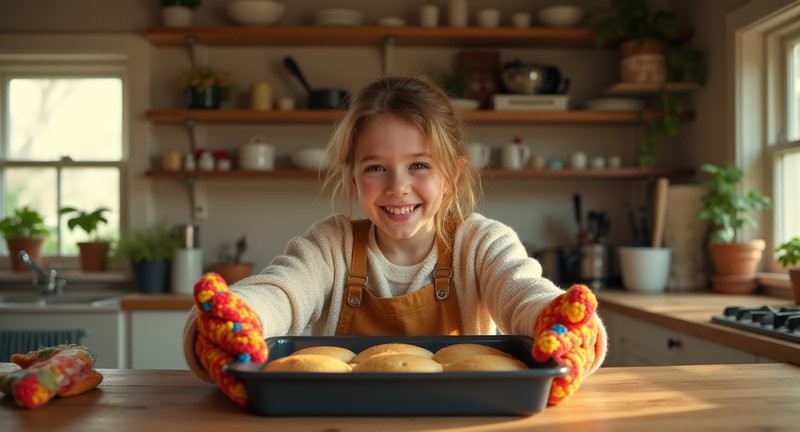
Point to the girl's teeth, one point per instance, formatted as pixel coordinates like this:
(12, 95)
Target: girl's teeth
(400, 210)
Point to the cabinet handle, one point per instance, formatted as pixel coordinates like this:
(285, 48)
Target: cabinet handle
(673, 343)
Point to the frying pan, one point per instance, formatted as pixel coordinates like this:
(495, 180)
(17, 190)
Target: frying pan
(319, 98)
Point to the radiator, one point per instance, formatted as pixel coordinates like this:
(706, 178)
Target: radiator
(24, 341)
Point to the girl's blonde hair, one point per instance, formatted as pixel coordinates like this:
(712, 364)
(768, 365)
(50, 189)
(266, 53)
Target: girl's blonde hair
(421, 102)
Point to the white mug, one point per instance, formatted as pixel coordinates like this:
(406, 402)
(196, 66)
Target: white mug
(257, 155)
(521, 20)
(515, 156)
(479, 155)
(578, 160)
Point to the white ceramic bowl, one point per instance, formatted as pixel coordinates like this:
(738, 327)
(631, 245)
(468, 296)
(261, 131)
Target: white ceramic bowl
(309, 158)
(561, 15)
(255, 12)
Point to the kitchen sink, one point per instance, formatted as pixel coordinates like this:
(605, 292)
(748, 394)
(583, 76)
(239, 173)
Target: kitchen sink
(27, 300)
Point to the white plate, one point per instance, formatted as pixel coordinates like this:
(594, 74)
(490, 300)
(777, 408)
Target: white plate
(614, 104)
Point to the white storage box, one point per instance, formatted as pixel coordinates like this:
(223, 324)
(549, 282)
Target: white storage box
(517, 102)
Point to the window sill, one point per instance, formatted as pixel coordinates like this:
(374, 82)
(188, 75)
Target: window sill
(775, 284)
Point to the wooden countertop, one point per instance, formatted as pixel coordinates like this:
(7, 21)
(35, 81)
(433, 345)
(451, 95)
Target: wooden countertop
(691, 313)
(707, 397)
(151, 302)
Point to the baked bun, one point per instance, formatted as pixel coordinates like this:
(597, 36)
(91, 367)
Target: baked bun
(307, 363)
(486, 362)
(456, 352)
(391, 348)
(340, 353)
(388, 362)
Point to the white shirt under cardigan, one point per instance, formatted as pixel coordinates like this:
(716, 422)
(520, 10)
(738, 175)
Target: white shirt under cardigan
(498, 285)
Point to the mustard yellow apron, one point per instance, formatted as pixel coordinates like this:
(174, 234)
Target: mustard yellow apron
(430, 311)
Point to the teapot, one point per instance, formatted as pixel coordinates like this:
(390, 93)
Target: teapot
(530, 78)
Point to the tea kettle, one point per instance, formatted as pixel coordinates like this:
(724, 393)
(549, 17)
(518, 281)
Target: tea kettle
(529, 78)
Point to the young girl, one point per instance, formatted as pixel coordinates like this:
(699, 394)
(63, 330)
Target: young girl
(419, 262)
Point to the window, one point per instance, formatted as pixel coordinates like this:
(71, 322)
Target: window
(61, 141)
(785, 151)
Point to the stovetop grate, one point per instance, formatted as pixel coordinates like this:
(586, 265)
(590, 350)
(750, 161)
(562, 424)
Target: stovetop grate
(779, 322)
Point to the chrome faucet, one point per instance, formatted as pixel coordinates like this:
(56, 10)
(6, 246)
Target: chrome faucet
(44, 282)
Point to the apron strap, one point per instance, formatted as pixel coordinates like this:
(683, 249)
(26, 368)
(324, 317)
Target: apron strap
(443, 273)
(357, 280)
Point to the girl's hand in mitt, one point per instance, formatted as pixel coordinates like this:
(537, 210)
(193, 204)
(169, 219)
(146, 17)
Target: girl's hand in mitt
(63, 370)
(567, 332)
(227, 331)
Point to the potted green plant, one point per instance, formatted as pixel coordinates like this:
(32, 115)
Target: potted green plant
(652, 52)
(24, 230)
(149, 251)
(93, 252)
(205, 87)
(788, 254)
(728, 210)
(178, 13)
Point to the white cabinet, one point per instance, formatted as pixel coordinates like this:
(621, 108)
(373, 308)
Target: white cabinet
(633, 342)
(104, 328)
(156, 339)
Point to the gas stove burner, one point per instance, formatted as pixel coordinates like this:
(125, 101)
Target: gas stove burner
(780, 322)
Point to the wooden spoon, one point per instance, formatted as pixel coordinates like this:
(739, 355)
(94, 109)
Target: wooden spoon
(660, 211)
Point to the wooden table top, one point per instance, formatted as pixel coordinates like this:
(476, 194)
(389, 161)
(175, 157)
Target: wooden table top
(707, 397)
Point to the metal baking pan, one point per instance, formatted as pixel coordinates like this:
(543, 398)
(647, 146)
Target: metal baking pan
(522, 392)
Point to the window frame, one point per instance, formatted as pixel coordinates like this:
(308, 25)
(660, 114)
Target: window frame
(59, 65)
(758, 118)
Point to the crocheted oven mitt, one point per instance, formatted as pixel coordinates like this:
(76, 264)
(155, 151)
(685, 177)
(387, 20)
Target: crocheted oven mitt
(63, 370)
(227, 331)
(567, 332)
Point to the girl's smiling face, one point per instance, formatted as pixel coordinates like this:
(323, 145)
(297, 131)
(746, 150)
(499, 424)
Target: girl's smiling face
(399, 187)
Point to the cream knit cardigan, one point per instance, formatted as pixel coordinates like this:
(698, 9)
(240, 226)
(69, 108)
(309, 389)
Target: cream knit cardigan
(498, 286)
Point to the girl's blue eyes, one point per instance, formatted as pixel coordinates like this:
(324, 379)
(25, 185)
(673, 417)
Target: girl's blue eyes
(413, 166)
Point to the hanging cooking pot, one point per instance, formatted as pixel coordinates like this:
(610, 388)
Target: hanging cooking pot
(320, 98)
(528, 78)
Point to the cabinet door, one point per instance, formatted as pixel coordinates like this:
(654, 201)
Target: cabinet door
(157, 339)
(634, 342)
(105, 330)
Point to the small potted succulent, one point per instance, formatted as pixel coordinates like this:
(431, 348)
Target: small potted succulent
(729, 210)
(24, 230)
(178, 13)
(789, 257)
(230, 265)
(93, 252)
(205, 87)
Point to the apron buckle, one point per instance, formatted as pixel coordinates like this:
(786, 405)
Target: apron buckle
(441, 282)
(355, 289)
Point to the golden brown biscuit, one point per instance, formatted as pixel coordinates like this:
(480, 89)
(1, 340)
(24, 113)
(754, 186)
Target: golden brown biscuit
(340, 353)
(391, 348)
(456, 352)
(307, 363)
(486, 362)
(388, 362)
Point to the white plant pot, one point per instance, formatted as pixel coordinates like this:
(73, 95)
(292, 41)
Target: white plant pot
(177, 16)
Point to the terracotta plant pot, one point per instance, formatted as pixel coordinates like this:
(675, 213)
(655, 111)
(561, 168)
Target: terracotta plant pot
(794, 276)
(643, 61)
(94, 256)
(233, 272)
(735, 266)
(32, 246)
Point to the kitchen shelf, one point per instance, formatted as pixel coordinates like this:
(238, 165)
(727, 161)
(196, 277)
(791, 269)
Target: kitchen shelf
(491, 174)
(575, 37)
(648, 88)
(316, 116)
